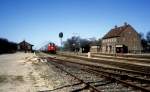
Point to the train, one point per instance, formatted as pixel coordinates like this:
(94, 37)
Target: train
(49, 48)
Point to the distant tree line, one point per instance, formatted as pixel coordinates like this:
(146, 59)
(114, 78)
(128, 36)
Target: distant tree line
(75, 43)
(145, 41)
(7, 46)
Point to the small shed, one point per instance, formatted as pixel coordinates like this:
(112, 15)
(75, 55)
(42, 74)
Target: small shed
(95, 47)
(25, 46)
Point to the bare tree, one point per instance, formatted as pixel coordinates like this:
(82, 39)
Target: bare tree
(148, 41)
(76, 43)
(148, 37)
(72, 43)
(145, 42)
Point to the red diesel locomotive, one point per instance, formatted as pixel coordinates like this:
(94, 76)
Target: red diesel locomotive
(51, 48)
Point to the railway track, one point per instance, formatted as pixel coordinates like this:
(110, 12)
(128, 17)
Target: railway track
(126, 55)
(87, 85)
(137, 83)
(140, 83)
(123, 65)
(135, 59)
(90, 85)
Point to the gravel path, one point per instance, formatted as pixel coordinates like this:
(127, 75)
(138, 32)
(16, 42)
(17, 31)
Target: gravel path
(25, 72)
(17, 73)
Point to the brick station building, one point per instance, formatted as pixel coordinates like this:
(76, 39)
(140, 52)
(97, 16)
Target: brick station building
(123, 39)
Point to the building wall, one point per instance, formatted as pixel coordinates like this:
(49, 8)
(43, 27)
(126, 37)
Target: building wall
(23, 47)
(131, 39)
(108, 45)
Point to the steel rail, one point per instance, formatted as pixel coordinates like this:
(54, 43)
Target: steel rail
(94, 89)
(123, 65)
(114, 78)
(108, 68)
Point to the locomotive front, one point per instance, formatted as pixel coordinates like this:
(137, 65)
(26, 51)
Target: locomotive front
(51, 48)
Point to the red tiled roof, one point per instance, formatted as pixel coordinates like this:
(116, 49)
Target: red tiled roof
(116, 32)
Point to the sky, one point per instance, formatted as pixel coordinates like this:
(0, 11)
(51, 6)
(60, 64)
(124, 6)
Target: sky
(40, 21)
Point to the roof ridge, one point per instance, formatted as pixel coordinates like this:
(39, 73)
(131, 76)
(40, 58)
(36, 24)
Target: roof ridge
(25, 42)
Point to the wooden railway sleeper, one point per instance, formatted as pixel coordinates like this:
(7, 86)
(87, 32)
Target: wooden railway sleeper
(87, 85)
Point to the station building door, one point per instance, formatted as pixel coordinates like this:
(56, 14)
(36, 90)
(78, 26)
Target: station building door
(121, 49)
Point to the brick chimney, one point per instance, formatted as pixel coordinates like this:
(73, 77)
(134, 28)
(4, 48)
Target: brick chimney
(115, 26)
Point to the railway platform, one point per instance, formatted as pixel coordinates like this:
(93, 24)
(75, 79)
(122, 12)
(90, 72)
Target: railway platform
(131, 59)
